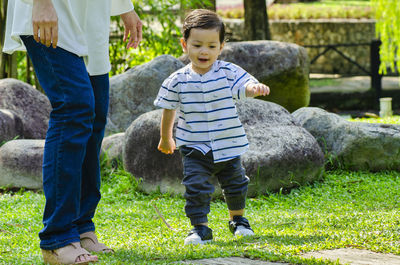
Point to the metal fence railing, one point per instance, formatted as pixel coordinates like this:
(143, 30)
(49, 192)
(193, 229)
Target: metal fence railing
(373, 72)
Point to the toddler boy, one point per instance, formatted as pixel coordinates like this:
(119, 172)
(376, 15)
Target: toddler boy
(209, 134)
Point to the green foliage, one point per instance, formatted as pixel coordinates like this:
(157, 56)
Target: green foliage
(115, 180)
(322, 10)
(388, 30)
(161, 33)
(345, 209)
(388, 120)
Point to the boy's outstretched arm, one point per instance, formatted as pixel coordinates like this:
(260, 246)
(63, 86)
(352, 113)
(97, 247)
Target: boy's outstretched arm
(167, 143)
(255, 90)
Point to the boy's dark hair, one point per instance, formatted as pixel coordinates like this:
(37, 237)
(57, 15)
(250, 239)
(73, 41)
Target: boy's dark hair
(203, 19)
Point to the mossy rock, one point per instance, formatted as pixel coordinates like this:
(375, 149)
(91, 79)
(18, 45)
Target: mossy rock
(290, 90)
(284, 67)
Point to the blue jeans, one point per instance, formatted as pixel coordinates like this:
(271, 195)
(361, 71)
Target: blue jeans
(71, 168)
(197, 171)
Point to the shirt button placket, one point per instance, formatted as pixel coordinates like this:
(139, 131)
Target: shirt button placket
(206, 97)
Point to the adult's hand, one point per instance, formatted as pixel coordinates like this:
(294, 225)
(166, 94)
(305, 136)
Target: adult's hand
(133, 29)
(45, 23)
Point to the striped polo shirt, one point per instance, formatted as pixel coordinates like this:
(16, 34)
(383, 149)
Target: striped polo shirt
(207, 115)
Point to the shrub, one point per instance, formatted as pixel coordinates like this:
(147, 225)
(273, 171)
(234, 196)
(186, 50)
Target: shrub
(307, 11)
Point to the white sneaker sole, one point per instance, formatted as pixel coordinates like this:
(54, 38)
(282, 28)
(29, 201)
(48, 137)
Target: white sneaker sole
(195, 240)
(243, 231)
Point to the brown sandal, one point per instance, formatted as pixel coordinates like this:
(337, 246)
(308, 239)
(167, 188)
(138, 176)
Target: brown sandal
(68, 255)
(90, 242)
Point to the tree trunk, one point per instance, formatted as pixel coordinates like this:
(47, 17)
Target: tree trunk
(3, 10)
(213, 5)
(8, 63)
(256, 20)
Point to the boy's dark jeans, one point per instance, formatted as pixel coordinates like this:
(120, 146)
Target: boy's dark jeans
(197, 171)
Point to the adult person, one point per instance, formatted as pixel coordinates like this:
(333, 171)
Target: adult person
(67, 41)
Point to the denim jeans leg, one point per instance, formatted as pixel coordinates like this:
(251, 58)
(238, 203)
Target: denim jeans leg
(234, 183)
(90, 193)
(197, 171)
(64, 78)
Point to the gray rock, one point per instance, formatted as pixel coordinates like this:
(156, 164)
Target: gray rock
(10, 125)
(284, 67)
(353, 145)
(29, 104)
(133, 92)
(21, 164)
(112, 146)
(354, 256)
(282, 154)
(144, 161)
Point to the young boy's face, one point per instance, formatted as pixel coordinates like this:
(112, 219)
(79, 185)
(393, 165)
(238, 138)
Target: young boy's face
(203, 48)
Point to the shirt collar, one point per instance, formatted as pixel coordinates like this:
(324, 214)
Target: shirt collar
(210, 72)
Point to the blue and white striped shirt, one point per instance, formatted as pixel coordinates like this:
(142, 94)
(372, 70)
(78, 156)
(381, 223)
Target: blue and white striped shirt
(207, 112)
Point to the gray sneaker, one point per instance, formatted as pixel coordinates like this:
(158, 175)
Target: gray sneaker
(200, 234)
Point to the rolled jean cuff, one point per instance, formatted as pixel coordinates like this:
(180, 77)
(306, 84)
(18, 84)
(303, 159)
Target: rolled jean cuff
(86, 228)
(236, 203)
(56, 245)
(198, 220)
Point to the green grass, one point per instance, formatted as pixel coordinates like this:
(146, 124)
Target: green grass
(346, 209)
(320, 82)
(389, 120)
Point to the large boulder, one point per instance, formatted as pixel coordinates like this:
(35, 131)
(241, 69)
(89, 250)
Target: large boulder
(282, 153)
(353, 145)
(10, 125)
(29, 104)
(112, 146)
(21, 164)
(284, 67)
(133, 92)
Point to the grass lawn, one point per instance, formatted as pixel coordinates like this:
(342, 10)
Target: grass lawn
(341, 3)
(319, 82)
(395, 119)
(344, 209)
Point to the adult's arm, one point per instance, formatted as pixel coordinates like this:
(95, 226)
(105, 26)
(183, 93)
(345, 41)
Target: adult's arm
(132, 22)
(45, 23)
(133, 28)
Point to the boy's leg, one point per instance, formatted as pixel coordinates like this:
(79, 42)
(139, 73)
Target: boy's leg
(233, 180)
(234, 183)
(197, 169)
(64, 78)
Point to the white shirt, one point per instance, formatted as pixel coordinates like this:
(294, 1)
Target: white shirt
(83, 28)
(207, 111)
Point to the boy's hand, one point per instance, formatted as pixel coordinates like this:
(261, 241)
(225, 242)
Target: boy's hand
(255, 90)
(167, 146)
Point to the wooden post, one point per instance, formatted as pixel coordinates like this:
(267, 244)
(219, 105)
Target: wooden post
(375, 61)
